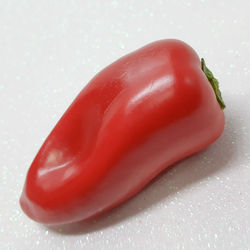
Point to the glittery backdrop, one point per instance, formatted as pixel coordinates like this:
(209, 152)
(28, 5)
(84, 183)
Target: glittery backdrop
(50, 49)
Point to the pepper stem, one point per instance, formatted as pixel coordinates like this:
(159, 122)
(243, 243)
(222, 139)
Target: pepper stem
(214, 82)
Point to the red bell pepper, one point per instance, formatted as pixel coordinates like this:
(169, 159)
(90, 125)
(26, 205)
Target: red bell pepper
(142, 113)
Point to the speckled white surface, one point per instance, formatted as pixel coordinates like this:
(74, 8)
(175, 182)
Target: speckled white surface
(50, 49)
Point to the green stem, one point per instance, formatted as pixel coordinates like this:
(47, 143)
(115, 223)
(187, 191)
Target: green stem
(214, 82)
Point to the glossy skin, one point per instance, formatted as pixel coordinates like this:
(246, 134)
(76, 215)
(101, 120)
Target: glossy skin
(135, 118)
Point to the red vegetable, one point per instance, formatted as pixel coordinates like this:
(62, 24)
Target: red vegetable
(139, 115)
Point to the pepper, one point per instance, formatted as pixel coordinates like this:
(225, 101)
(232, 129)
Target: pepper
(144, 112)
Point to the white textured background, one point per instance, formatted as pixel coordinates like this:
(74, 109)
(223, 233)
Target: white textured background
(50, 49)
